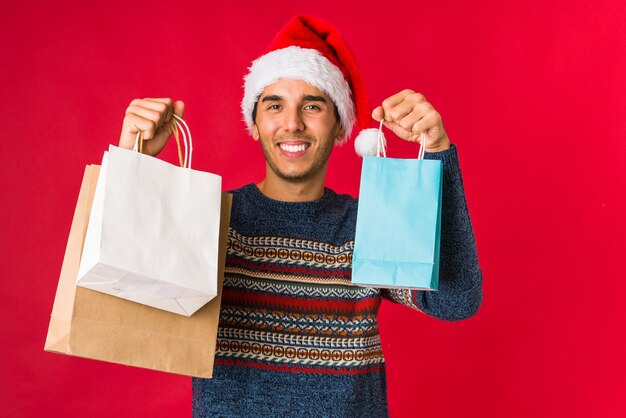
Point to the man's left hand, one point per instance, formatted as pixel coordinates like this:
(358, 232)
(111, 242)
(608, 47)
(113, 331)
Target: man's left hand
(408, 115)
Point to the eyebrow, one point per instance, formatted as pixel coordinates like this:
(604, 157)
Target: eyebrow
(272, 98)
(309, 98)
(306, 98)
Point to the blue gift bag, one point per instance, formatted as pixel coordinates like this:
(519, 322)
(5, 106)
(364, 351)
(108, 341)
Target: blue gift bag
(398, 224)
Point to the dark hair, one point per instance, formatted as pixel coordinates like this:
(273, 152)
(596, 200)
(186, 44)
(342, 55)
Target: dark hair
(335, 111)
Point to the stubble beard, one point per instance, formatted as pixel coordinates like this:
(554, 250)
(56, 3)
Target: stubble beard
(320, 159)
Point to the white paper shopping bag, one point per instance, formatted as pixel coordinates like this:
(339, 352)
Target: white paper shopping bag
(153, 232)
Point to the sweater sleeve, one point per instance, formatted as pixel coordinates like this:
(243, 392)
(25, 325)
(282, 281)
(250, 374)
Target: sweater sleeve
(460, 278)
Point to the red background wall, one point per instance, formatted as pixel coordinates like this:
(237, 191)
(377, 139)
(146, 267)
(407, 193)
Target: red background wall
(531, 91)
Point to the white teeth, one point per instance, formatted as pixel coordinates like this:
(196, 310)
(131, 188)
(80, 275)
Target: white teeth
(293, 148)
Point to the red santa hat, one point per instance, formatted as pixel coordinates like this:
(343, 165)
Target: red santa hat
(310, 49)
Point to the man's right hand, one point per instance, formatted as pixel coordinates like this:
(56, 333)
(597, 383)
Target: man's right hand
(150, 116)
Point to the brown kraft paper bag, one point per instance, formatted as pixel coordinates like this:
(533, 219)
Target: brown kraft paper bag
(90, 324)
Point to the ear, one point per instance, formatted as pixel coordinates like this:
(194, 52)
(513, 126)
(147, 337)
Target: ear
(255, 132)
(340, 132)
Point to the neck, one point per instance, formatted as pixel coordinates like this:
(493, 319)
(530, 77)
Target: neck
(286, 190)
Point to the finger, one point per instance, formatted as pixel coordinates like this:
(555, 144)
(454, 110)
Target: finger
(397, 113)
(145, 113)
(163, 105)
(392, 101)
(429, 121)
(179, 108)
(134, 124)
(406, 106)
(159, 105)
(378, 114)
(166, 100)
(158, 111)
(399, 130)
(418, 112)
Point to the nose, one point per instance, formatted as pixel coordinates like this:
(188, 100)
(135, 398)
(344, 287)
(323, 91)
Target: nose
(293, 120)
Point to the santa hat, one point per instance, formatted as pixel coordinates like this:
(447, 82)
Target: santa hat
(310, 49)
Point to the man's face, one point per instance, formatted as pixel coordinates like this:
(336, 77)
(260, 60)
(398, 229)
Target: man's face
(296, 125)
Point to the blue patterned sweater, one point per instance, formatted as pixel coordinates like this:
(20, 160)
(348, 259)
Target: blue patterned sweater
(296, 338)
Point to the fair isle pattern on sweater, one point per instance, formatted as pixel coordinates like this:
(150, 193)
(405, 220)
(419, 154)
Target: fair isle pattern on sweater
(295, 337)
(289, 259)
(289, 305)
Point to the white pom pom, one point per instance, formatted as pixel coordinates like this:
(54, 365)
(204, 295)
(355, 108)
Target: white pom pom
(366, 142)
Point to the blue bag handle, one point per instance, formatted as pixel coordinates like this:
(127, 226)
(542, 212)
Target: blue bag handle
(381, 143)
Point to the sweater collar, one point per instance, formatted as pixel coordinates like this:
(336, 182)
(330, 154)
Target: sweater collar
(255, 195)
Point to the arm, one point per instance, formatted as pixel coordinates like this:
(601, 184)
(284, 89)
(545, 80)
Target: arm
(408, 115)
(460, 279)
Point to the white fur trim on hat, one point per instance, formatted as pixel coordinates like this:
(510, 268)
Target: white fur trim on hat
(299, 64)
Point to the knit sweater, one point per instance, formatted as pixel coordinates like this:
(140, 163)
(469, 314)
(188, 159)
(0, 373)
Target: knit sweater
(295, 337)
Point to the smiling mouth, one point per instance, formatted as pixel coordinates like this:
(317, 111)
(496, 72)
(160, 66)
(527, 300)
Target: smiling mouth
(294, 147)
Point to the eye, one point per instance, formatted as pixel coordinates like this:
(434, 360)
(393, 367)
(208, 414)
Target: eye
(312, 107)
(273, 107)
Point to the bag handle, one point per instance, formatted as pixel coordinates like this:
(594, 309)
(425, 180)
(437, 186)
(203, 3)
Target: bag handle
(382, 143)
(176, 127)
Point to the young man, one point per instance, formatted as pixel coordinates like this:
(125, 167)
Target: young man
(295, 336)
